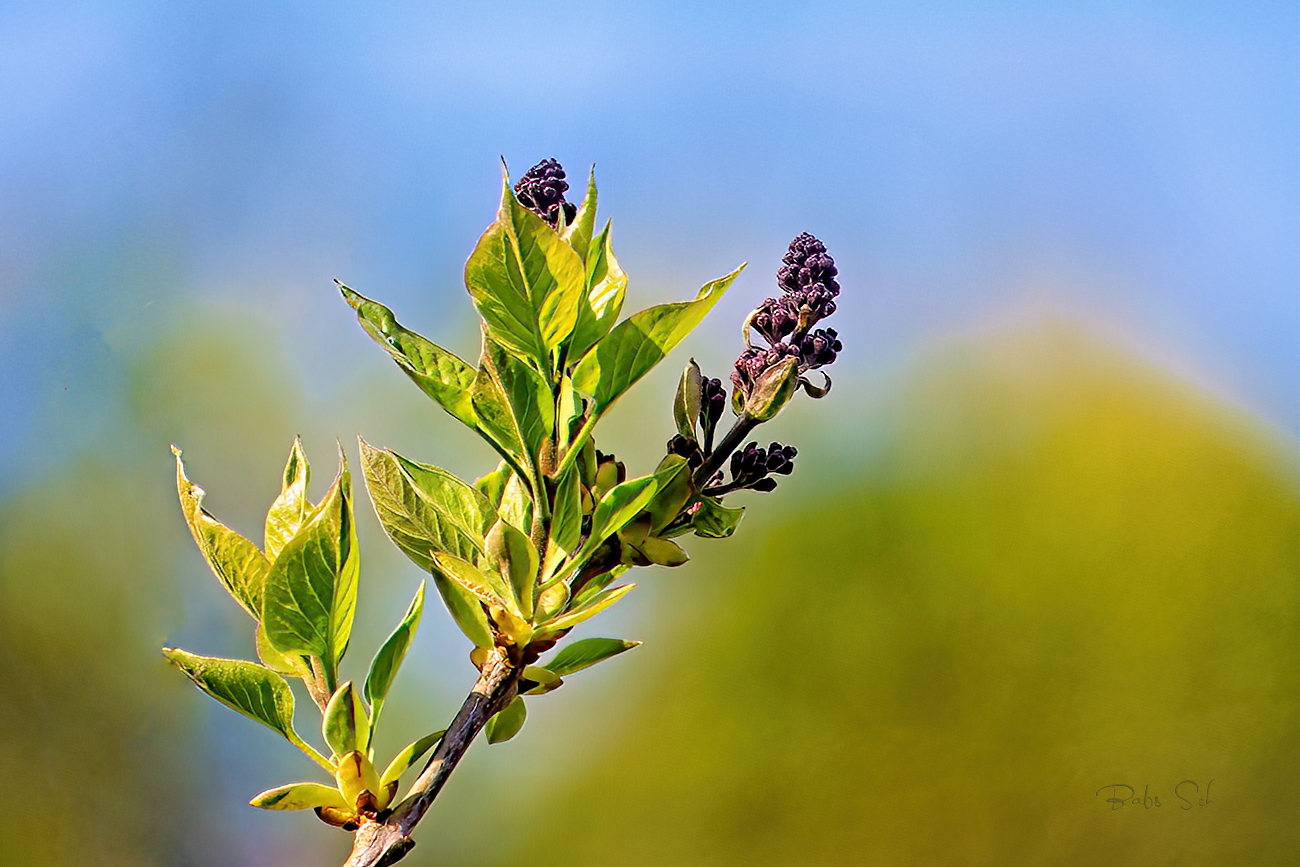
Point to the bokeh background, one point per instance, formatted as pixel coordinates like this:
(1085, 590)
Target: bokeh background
(1043, 538)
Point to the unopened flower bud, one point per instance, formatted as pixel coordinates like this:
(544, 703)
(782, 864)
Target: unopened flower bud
(808, 278)
(818, 349)
(687, 448)
(541, 190)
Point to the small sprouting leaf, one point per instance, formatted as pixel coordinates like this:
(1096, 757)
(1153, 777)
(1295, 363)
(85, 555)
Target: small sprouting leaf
(301, 796)
(516, 502)
(598, 603)
(486, 586)
(773, 390)
(424, 508)
(511, 553)
(256, 692)
(599, 309)
(440, 374)
(344, 724)
(408, 757)
(506, 722)
(714, 520)
(593, 587)
(566, 518)
(357, 780)
(525, 281)
(686, 405)
(389, 658)
(492, 485)
(236, 562)
(641, 341)
(291, 508)
(545, 680)
(311, 590)
(620, 505)
(586, 653)
(579, 232)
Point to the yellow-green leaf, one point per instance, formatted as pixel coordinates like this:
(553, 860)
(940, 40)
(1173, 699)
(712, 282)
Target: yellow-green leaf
(291, 509)
(301, 796)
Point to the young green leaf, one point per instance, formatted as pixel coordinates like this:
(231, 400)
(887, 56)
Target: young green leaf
(619, 505)
(599, 307)
(531, 403)
(424, 508)
(566, 519)
(281, 663)
(256, 692)
(511, 553)
(714, 520)
(593, 587)
(586, 653)
(291, 508)
(344, 725)
(486, 586)
(526, 282)
(578, 233)
(440, 374)
(301, 796)
(357, 780)
(492, 485)
(506, 722)
(496, 415)
(676, 488)
(311, 590)
(641, 341)
(389, 658)
(408, 757)
(236, 562)
(686, 405)
(465, 609)
(598, 603)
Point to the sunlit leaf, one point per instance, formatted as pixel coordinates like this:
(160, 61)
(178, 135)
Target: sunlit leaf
(619, 506)
(506, 722)
(389, 658)
(301, 796)
(236, 562)
(408, 757)
(598, 603)
(344, 725)
(496, 415)
(599, 307)
(530, 399)
(640, 342)
(511, 553)
(253, 690)
(485, 585)
(587, 652)
(686, 405)
(714, 520)
(579, 232)
(440, 374)
(291, 508)
(566, 517)
(526, 282)
(311, 590)
(283, 663)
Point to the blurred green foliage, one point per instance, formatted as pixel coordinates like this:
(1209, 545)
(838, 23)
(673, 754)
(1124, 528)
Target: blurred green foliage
(1056, 570)
(1063, 571)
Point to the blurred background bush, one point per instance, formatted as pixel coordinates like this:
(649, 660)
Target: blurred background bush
(1043, 539)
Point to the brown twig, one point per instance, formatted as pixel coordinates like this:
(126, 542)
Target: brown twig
(386, 841)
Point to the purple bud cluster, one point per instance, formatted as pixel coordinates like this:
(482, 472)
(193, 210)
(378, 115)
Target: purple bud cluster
(809, 288)
(687, 448)
(753, 467)
(541, 190)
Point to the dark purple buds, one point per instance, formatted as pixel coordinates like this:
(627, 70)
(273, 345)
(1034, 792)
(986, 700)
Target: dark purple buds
(541, 190)
(753, 467)
(687, 448)
(818, 349)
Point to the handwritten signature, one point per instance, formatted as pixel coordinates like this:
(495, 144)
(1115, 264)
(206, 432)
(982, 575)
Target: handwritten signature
(1189, 792)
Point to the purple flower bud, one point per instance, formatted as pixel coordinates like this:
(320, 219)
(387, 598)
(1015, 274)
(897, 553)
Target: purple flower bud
(775, 319)
(753, 466)
(818, 349)
(713, 400)
(753, 362)
(808, 277)
(541, 190)
(687, 448)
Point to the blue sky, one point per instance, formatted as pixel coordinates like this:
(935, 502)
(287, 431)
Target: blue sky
(1135, 165)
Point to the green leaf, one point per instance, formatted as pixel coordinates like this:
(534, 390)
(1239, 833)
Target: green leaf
(301, 796)
(516, 502)
(311, 590)
(440, 374)
(492, 485)
(486, 586)
(465, 609)
(389, 658)
(578, 233)
(586, 653)
(640, 342)
(511, 553)
(526, 282)
(598, 603)
(686, 406)
(423, 508)
(531, 403)
(282, 663)
(408, 757)
(599, 307)
(566, 519)
(256, 692)
(506, 722)
(676, 488)
(344, 725)
(496, 415)
(236, 562)
(619, 506)
(593, 587)
(291, 508)
(714, 520)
